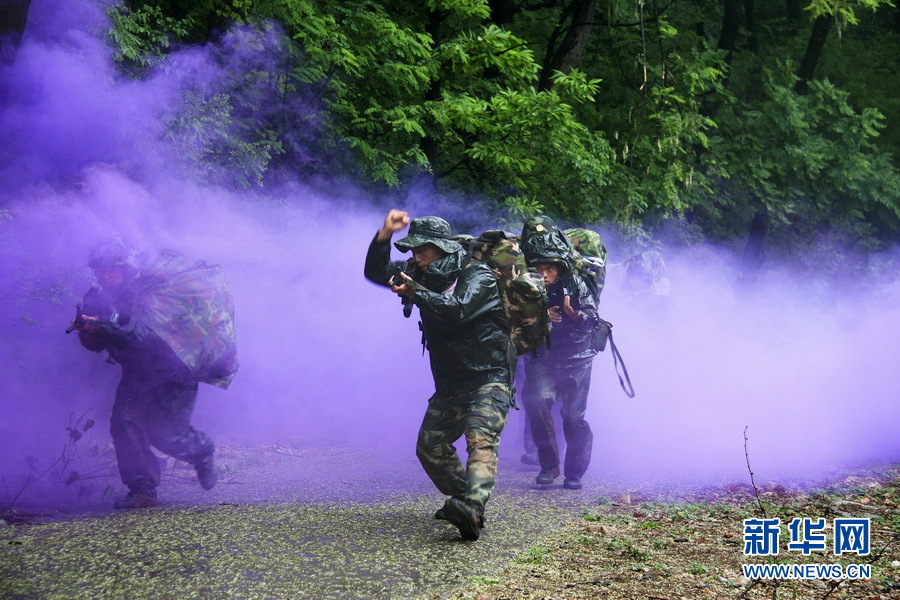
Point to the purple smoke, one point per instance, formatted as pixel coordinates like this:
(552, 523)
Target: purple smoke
(807, 369)
(326, 356)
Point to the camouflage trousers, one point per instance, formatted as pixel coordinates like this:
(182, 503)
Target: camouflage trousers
(547, 383)
(155, 414)
(480, 417)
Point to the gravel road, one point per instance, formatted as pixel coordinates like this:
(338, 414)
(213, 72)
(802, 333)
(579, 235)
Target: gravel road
(287, 521)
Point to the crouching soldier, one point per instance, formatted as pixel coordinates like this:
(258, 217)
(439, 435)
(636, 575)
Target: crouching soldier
(466, 333)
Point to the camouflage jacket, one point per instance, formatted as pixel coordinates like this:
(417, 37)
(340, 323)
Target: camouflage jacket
(463, 320)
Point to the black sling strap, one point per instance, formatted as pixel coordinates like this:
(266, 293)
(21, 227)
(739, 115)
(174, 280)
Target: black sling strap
(617, 360)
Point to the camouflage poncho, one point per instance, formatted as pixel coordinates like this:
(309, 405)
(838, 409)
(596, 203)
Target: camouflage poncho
(188, 305)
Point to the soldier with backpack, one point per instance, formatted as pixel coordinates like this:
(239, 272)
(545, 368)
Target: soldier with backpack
(560, 372)
(472, 358)
(169, 325)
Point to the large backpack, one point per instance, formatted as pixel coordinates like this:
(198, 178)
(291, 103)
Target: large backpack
(188, 305)
(589, 258)
(522, 291)
(585, 255)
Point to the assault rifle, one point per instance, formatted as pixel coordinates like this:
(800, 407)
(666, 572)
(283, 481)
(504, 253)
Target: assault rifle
(556, 294)
(78, 322)
(409, 269)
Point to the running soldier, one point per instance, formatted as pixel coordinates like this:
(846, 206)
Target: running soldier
(561, 372)
(472, 360)
(132, 314)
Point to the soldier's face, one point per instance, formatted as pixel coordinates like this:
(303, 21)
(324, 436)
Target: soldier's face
(426, 254)
(109, 277)
(549, 272)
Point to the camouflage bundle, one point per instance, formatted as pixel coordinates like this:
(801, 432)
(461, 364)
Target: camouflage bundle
(523, 292)
(589, 258)
(188, 305)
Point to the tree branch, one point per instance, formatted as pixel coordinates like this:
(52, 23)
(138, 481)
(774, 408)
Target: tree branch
(752, 479)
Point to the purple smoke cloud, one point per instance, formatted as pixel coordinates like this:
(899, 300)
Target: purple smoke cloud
(812, 376)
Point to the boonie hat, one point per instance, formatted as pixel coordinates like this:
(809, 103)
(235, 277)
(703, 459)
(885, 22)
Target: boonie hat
(428, 230)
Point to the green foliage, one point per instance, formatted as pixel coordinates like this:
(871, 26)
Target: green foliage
(535, 556)
(358, 48)
(584, 540)
(464, 60)
(464, 109)
(844, 13)
(628, 549)
(862, 65)
(655, 123)
(206, 132)
(698, 569)
(524, 141)
(686, 512)
(483, 580)
(470, 99)
(140, 37)
(807, 159)
(460, 9)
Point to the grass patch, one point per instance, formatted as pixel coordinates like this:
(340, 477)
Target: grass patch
(535, 556)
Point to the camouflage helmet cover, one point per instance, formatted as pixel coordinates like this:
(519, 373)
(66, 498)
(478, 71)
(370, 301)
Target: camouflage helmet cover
(111, 253)
(429, 230)
(544, 241)
(561, 265)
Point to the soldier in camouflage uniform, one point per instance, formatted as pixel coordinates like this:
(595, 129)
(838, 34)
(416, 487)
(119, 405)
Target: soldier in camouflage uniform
(155, 397)
(561, 372)
(472, 360)
(646, 280)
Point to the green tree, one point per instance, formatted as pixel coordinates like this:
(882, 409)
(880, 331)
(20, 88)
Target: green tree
(431, 89)
(731, 116)
(807, 164)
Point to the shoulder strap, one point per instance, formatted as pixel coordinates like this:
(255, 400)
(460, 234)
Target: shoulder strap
(617, 360)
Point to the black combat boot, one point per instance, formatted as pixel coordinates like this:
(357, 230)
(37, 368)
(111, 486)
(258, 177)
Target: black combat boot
(572, 483)
(207, 473)
(466, 517)
(545, 478)
(137, 499)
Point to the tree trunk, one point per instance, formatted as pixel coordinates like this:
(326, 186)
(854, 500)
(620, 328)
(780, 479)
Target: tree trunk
(503, 11)
(429, 144)
(13, 17)
(750, 24)
(794, 10)
(756, 237)
(575, 24)
(731, 26)
(821, 27)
